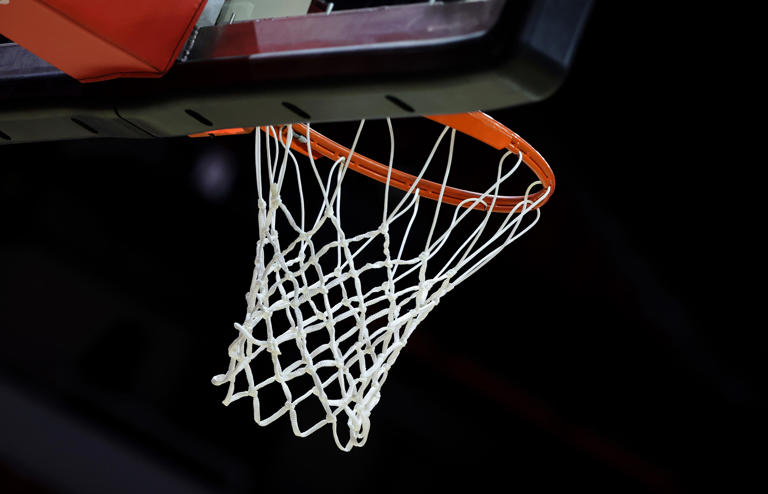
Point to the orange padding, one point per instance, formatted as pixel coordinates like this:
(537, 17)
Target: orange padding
(99, 40)
(475, 124)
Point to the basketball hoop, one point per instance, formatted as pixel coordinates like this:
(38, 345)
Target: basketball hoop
(346, 329)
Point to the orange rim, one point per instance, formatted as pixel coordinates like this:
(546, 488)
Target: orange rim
(475, 124)
(224, 132)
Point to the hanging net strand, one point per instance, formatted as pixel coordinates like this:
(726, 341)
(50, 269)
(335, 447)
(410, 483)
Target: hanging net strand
(314, 319)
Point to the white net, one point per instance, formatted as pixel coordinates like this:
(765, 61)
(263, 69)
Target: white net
(328, 315)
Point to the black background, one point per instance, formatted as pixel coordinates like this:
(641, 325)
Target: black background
(605, 350)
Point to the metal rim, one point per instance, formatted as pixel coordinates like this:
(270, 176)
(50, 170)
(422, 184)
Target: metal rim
(475, 124)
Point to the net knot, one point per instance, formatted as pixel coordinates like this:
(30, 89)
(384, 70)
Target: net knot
(272, 347)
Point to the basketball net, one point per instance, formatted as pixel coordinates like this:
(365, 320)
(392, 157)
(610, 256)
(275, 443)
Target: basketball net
(313, 295)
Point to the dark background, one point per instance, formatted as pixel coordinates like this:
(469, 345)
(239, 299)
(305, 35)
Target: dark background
(608, 349)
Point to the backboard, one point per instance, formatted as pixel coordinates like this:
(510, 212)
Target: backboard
(340, 61)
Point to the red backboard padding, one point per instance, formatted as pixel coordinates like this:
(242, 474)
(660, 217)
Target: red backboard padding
(100, 40)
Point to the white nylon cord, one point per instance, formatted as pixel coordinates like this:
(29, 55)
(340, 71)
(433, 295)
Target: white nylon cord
(346, 332)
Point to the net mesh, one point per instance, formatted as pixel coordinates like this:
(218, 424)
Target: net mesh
(328, 315)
